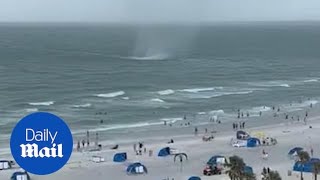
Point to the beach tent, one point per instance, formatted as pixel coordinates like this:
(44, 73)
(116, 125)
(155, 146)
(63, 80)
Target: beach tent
(164, 152)
(4, 164)
(305, 167)
(242, 135)
(20, 176)
(294, 151)
(136, 168)
(120, 157)
(194, 178)
(217, 160)
(248, 170)
(253, 142)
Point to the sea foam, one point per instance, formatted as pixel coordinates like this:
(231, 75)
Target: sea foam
(166, 92)
(111, 95)
(46, 103)
(157, 100)
(82, 105)
(196, 90)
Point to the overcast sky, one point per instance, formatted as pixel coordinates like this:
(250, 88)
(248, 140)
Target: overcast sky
(158, 10)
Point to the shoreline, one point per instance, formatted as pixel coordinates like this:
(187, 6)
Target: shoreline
(199, 151)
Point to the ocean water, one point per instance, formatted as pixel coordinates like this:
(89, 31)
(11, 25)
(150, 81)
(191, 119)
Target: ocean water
(137, 76)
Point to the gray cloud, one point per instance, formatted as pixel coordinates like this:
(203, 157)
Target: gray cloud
(158, 10)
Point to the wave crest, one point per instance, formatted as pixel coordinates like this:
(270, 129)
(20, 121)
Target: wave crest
(82, 105)
(111, 95)
(46, 103)
(157, 100)
(166, 92)
(31, 110)
(196, 90)
(151, 57)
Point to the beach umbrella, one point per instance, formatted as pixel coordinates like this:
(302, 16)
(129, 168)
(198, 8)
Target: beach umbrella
(180, 157)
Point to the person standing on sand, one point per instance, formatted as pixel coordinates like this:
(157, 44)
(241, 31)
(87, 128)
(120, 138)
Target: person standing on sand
(78, 146)
(260, 113)
(96, 142)
(196, 131)
(88, 137)
(83, 143)
(135, 147)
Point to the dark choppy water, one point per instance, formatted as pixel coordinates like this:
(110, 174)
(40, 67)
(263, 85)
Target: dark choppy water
(142, 74)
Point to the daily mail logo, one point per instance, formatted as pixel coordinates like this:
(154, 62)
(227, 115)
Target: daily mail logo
(32, 150)
(41, 143)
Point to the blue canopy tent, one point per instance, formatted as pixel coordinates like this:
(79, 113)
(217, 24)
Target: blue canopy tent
(294, 151)
(253, 142)
(194, 178)
(242, 135)
(120, 157)
(305, 167)
(136, 168)
(216, 159)
(164, 152)
(20, 176)
(248, 169)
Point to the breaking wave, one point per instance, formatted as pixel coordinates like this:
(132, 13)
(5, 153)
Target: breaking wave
(260, 109)
(171, 120)
(166, 92)
(31, 110)
(152, 57)
(196, 90)
(218, 94)
(271, 84)
(157, 100)
(111, 95)
(216, 112)
(311, 80)
(82, 105)
(46, 103)
(121, 126)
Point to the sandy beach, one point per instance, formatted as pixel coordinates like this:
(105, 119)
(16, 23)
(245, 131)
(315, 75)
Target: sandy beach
(289, 134)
